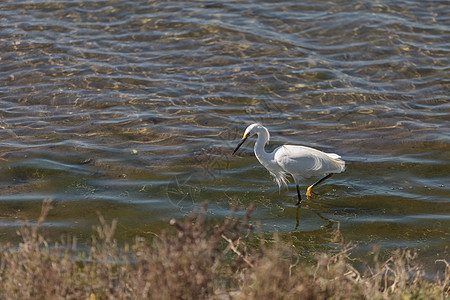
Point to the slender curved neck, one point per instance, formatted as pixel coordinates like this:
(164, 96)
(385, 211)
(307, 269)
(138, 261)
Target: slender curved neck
(260, 143)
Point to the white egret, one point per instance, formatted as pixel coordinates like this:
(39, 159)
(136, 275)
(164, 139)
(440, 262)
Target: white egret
(299, 161)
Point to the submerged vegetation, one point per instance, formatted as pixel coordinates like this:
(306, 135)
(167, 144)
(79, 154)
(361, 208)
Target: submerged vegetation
(202, 260)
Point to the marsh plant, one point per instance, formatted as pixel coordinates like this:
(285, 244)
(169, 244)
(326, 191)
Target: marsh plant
(202, 259)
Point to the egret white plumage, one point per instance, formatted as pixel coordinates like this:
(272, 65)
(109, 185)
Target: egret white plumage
(298, 161)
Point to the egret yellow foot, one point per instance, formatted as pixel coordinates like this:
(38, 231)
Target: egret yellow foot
(309, 192)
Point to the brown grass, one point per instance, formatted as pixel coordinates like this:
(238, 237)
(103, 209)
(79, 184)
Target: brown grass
(202, 260)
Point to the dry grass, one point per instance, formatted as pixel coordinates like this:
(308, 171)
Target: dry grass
(201, 260)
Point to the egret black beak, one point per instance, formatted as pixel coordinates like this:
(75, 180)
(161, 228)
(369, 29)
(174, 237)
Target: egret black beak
(240, 144)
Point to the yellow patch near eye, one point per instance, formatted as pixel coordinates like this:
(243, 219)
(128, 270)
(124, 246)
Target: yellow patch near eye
(245, 136)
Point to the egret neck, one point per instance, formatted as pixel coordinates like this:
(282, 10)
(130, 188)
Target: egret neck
(260, 153)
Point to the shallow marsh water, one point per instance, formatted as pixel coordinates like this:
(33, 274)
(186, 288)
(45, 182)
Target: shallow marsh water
(132, 108)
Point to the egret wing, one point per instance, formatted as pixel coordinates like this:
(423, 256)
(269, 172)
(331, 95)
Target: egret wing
(306, 162)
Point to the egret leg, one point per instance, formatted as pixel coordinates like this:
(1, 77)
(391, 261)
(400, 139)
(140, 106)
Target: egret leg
(299, 197)
(309, 192)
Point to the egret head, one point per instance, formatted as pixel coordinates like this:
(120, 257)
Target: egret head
(250, 131)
